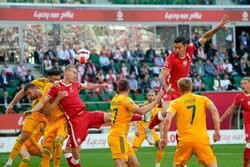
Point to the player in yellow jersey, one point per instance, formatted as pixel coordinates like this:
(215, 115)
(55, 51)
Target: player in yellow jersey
(122, 108)
(34, 119)
(190, 113)
(140, 126)
(31, 147)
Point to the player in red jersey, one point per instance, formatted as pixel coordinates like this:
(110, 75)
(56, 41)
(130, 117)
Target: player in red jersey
(75, 110)
(177, 65)
(242, 99)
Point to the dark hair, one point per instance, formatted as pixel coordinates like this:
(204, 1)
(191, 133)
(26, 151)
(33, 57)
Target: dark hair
(29, 86)
(123, 85)
(180, 40)
(54, 71)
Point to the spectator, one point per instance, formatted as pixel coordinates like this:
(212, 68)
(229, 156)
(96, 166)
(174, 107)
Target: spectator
(58, 67)
(91, 71)
(4, 80)
(104, 63)
(80, 71)
(117, 54)
(230, 51)
(64, 56)
(242, 68)
(145, 84)
(24, 99)
(210, 69)
(159, 60)
(198, 85)
(105, 52)
(226, 84)
(38, 55)
(20, 70)
(128, 54)
(155, 83)
(100, 77)
(113, 67)
(144, 70)
(217, 84)
(219, 68)
(133, 82)
(47, 64)
(95, 57)
(227, 67)
(138, 53)
(135, 68)
(9, 70)
(201, 54)
(5, 99)
(51, 53)
(29, 77)
(211, 52)
(150, 54)
(217, 59)
(199, 67)
(110, 77)
(156, 70)
(124, 70)
(72, 53)
(234, 59)
(244, 40)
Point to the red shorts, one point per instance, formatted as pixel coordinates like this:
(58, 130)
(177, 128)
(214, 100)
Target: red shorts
(80, 124)
(247, 131)
(168, 97)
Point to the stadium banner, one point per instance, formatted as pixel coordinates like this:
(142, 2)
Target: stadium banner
(94, 141)
(122, 15)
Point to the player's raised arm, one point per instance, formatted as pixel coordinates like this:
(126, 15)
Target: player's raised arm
(208, 35)
(229, 111)
(143, 110)
(18, 97)
(40, 105)
(88, 86)
(216, 119)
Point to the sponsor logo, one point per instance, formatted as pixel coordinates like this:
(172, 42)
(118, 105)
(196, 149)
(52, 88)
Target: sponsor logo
(244, 16)
(183, 16)
(185, 63)
(119, 16)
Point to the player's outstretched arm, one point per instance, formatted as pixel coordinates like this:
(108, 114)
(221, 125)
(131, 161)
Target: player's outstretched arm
(163, 75)
(216, 119)
(88, 86)
(40, 105)
(228, 112)
(166, 127)
(208, 35)
(143, 110)
(60, 96)
(18, 96)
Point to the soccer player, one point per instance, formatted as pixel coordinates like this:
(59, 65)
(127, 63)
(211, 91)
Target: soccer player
(242, 99)
(31, 147)
(75, 110)
(140, 126)
(190, 113)
(122, 108)
(177, 65)
(34, 119)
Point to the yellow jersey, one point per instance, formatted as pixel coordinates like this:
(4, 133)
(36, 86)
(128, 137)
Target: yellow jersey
(190, 113)
(57, 111)
(149, 115)
(40, 83)
(121, 115)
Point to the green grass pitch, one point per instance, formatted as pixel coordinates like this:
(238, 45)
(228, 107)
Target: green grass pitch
(227, 156)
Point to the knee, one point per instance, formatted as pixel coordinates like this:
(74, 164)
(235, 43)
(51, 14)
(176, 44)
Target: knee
(24, 136)
(58, 142)
(46, 152)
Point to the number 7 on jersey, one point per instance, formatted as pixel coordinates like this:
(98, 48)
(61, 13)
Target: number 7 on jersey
(193, 107)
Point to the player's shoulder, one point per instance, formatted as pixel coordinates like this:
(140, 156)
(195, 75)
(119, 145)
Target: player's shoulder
(39, 80)
(239, 95)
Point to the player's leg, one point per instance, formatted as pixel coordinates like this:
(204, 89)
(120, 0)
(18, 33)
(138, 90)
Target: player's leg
(182, 154)
(247, 148)
(132, 160)
(138, 140)
(28, 127)
(62, 133)
(205, 154)
(25, 156)
(119, 149)
(159, 153)
(68, 153)
(76, 156)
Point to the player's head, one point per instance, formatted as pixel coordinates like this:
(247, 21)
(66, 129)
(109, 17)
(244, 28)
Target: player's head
(185, 85)
(180, 45)
(245, 85)
(151, 95)
(53, 75)
(31, 91)
(123, 86)
(70, 73)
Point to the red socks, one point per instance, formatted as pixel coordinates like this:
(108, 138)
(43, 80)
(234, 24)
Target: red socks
(136, 117)
(246, 156)
(154, 122)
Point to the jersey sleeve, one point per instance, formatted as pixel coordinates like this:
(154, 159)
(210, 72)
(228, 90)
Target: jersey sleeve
(78, 85)
(52, 93)
(207, 101)
(193, 46)
(129, 103)
(172, 107)
(168, 63)
(237, 100)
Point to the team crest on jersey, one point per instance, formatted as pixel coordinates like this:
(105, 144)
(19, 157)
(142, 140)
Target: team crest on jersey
(185, 63)
(248, 103)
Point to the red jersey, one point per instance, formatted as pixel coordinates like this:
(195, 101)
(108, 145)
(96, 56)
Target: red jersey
(71, 104)
(243, 100)
(178, 67)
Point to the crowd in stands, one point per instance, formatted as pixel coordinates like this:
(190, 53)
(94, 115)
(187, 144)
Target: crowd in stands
(218, 69)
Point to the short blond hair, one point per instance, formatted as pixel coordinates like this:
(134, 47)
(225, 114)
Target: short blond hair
(246, 79)
(69, 66)
(185, 84)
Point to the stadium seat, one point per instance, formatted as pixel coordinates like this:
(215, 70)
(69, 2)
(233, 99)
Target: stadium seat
(209, 82)
(83, 96)
(237, 80)
(11, 91)
(103, 106)
(140, 97)
(15, 83)
(92, 98)
(105, 96)
(91, 107)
